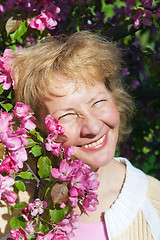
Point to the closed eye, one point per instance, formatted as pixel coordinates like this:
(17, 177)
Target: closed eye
(99, 101)
(67, 117)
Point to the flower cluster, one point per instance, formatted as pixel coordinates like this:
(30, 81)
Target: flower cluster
(81, 184)
(14, 138)
(5, 73)
(45, 12)
(55, 140)
(71, 183)
(142, 17)
(31, 214)
(6, 189)
(145, 16)
(47, 18)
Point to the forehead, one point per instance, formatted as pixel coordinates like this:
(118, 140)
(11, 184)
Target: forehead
(77, 95)
(60, 84)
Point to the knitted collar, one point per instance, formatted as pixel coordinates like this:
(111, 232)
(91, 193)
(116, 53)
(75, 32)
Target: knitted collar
(129, 201)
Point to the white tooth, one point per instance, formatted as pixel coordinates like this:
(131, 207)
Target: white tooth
(86, 146)
(95, 143)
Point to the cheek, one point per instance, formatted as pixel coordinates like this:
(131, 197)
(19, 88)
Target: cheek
(71, 131)
(110, 116)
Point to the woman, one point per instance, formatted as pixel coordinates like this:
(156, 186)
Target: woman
(77, 80)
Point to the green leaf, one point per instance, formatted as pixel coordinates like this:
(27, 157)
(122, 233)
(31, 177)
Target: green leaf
(37, 134)
(36, 150)
(31, 143)
(41, 228)
(44, 165)
(20, 206)
(30, 237)
(57, 215)
(19, 32)
(20, 185)
(26, 175)
(1, 89)
(7, 106)
(15, 223)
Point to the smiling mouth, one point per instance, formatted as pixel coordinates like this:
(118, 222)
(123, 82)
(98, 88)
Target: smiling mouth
(95, 145)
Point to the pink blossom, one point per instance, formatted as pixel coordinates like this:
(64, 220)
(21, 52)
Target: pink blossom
(5, 76)
(21, 109)
(21, 134)
(11, 197)
(47, 18)
(13, 143)
(68, 225)
(92, 182)
(8, 165)
(79, 180)
(55, 10)
(73, 198)
(147, 3)
(142, 17)
(27, 123)
(68, 152)
(5, 115)
(53, 126)
(63, 172)
(60, 236)
(6, 80)
(74, 220)
(90, 202)
(6, 189)
(48, 236)
(43, 20)
(19, 156)
(25, 214)
(82, 182)
(29, 228)
(37, 207)
(19, 234)
(7, 56)
(52, 146)
(157, 12)
(4, 125)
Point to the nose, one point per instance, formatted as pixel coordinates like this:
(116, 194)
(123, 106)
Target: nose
(90, 126)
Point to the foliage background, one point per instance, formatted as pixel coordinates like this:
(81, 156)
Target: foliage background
(141, 51)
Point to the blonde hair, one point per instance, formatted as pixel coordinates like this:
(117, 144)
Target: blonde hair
(81, 57)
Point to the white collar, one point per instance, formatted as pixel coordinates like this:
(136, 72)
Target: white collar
(132, 196)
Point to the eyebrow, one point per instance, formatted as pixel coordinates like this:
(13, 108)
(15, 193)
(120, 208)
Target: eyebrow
(95, 97)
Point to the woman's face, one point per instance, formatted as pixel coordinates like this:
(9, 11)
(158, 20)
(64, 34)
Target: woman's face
(91, 121)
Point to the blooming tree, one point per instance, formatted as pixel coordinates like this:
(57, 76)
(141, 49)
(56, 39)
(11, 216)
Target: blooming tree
(134, 25)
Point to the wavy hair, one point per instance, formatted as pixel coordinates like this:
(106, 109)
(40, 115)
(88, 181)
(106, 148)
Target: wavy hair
(81, 57)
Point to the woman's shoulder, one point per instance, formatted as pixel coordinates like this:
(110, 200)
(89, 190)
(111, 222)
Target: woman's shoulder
(153, 192)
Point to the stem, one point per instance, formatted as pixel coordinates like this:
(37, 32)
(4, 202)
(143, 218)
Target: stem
(36, 178)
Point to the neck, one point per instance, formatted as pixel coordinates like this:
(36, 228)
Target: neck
(111, 177)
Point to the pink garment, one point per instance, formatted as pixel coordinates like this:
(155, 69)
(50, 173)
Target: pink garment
(92, 231)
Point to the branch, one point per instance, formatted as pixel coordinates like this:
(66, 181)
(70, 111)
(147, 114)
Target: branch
(117, 32)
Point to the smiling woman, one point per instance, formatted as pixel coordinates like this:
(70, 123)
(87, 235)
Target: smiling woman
(76, 79)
